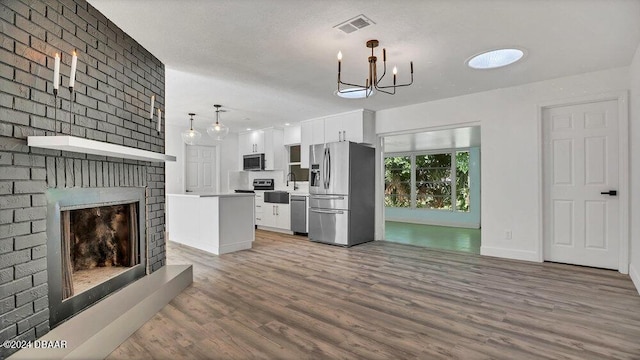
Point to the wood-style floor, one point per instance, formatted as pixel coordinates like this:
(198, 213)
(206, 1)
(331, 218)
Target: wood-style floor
(433, 236)
(288, 298)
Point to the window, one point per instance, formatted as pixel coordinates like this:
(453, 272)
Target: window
(463, 183)
(397, 181)
(294, 164)
(433, 181)
(428, 181)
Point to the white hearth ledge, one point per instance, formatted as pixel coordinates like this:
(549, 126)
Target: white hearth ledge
(86, 146)
(97, 331)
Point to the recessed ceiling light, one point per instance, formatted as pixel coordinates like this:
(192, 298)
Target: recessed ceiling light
(495, 58)
(286, 124)
(353, 93)
(248, 129)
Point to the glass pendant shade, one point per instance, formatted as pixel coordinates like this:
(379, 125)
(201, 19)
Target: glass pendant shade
(191, 136)
(218, 130)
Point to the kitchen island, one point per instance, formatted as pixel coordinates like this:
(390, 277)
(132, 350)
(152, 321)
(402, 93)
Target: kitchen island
(216, 223)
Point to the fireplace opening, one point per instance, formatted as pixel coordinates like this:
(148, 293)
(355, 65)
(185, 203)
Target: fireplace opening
(98, 243)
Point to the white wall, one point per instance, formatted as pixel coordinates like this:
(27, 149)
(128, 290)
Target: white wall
(510, 156)
(227, 149)
(634, 122)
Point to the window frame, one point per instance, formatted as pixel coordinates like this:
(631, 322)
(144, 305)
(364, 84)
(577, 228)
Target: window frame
(454, 181)
(299, 163)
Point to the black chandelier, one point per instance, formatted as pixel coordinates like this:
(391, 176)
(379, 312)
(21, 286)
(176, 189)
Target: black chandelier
(372, 82)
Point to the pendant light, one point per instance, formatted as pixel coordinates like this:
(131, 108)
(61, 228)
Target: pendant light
(218, 130)
(191, 136)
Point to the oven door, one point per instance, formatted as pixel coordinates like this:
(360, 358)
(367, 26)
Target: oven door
(329, 226)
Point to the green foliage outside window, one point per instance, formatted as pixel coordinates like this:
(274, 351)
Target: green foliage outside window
(397, 181)
(433, 181)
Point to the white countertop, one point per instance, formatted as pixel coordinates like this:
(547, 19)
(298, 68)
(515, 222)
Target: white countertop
(196, 195)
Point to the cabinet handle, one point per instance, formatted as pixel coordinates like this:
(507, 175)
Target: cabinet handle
(344, 135)
(277, 210)
(273, 209)
(339, 135)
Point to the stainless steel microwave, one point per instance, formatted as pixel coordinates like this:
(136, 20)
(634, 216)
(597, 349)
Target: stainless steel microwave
(253, 162)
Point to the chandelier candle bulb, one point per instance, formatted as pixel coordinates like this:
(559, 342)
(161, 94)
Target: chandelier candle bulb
(153, 100)
(74, 65)
(56, 73)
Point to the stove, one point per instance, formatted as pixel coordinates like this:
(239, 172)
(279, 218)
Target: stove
(259, 184)
(263, 184)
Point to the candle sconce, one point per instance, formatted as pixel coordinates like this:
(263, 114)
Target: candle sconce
(56, 86)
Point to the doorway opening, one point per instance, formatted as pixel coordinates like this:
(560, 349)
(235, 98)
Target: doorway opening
(432, 188)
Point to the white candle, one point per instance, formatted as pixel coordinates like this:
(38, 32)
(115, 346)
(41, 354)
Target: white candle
(74, 65)
(56, 73)
(159, 119)
(153, 100)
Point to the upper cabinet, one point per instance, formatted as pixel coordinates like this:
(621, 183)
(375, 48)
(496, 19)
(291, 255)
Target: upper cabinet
(356, 126)
(267, 141)
(292, 135)
(251, 142)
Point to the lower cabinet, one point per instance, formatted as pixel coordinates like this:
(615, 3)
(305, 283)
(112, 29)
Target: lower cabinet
(259, 203)
(276, 216)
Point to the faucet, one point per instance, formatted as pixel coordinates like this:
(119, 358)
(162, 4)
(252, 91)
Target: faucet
(295, 187)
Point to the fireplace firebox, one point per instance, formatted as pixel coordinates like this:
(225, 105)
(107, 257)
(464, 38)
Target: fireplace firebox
(96, 245)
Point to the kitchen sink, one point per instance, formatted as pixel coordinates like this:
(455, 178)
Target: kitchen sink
(276, 197)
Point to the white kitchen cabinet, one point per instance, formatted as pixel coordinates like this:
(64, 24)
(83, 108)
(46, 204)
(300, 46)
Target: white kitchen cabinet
(269, 142)
(357, 126)
(306, 139)
(273, 149)
(292, 135)
(259, 204)
(277, 216)
(251, 142)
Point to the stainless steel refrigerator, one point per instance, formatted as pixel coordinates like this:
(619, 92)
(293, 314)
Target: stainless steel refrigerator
(341, 187)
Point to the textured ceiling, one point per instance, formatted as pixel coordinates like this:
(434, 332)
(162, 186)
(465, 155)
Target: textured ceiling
(274, 61)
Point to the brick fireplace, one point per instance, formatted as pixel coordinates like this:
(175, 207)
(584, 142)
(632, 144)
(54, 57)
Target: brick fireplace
(114, 81)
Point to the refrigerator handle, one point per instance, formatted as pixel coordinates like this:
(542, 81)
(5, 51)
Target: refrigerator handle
(324, 168)
(329, 168)
(327, 211)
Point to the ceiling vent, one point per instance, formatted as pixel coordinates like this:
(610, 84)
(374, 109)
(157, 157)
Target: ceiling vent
(353, 24)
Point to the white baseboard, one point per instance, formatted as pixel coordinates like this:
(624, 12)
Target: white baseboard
(509, 253)
(269, 228)
(224, 249)
(100, 329)
(635, 276)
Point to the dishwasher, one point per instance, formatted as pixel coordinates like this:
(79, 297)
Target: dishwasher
(299, 214)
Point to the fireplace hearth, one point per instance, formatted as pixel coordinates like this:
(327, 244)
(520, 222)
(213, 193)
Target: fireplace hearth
(96, 245)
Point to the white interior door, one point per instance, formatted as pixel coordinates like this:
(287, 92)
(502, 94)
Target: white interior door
(201, 173)
(581, 224)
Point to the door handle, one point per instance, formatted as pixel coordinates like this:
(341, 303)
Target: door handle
(610, 192)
